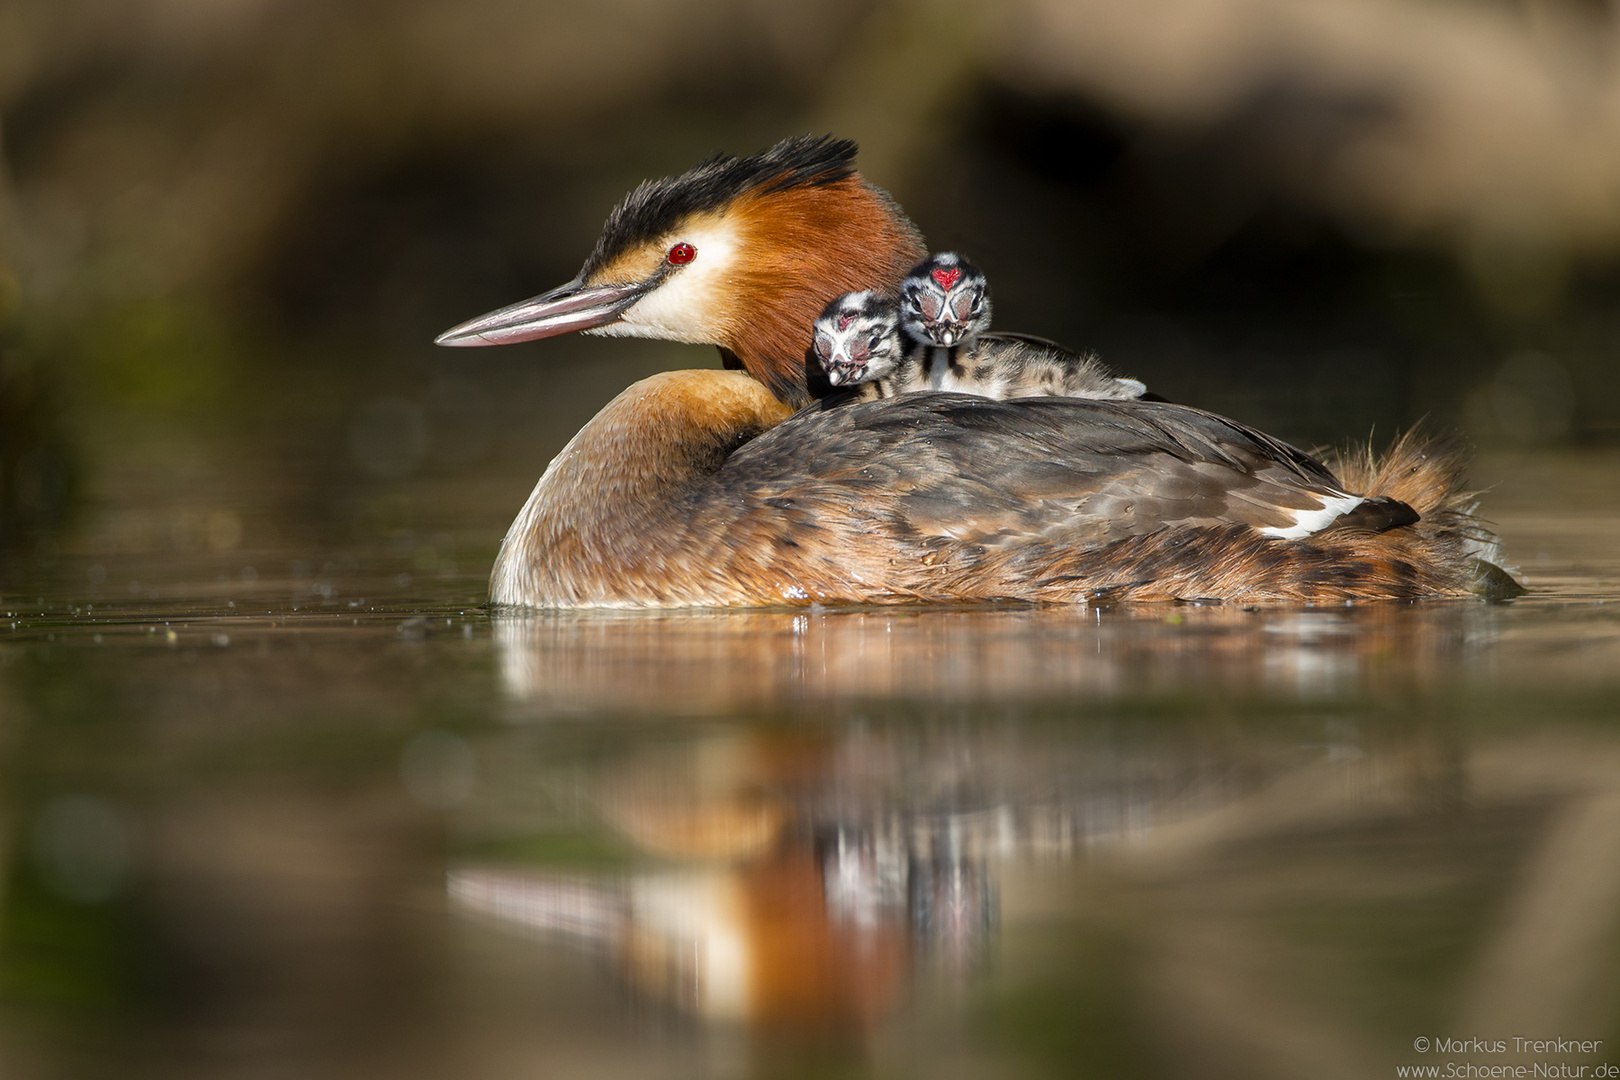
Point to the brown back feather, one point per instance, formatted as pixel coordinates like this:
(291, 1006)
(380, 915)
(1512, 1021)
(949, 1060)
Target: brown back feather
(901, 500)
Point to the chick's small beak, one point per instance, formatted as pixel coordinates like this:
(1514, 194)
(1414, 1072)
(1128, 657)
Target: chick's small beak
(574, 306)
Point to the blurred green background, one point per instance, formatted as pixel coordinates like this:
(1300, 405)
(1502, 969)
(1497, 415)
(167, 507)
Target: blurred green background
(229, 229)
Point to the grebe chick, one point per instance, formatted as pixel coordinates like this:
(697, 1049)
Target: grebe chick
(857, 342)
(944, 310)
(945, 301)
(703, 488)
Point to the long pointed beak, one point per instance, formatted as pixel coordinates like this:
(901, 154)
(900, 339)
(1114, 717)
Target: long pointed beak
(573, 306)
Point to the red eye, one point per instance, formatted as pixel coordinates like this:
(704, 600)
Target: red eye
(682, 253)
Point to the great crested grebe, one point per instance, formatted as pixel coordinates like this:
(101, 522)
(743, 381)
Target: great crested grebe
(704, 488)
(935, 338)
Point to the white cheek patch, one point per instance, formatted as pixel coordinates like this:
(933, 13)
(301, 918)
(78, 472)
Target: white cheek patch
(1307, 522)
(683, 307)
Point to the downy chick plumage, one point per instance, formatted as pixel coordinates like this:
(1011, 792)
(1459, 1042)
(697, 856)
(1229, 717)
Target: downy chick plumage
(936, 338)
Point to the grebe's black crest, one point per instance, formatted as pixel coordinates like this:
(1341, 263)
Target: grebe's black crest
(658, 206)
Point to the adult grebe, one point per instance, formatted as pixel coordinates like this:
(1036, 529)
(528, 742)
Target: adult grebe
(703, 488)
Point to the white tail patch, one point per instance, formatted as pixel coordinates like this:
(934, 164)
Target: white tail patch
(1307, 522)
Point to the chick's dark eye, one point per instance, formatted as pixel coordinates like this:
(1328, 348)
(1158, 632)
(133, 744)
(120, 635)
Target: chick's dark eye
(682, 253)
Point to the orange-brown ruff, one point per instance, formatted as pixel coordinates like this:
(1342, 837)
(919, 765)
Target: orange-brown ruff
(702, 488)
(742, 253)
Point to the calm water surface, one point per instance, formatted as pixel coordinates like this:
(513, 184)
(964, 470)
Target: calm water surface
(323, 816)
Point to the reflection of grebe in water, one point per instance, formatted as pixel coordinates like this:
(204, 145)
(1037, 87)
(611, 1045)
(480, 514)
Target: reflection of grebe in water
(813, 896)
(697, 488)
(944, 892)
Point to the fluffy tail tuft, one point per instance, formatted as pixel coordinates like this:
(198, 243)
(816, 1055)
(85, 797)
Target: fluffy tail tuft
(1426, 473)
(1423, 471)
